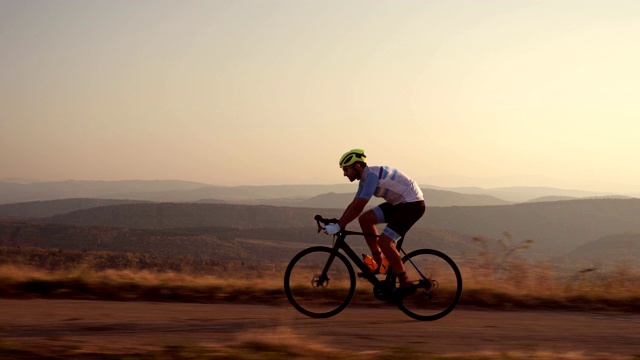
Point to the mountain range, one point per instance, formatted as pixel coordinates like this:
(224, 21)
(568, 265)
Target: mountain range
(560, 225)
(284, 195)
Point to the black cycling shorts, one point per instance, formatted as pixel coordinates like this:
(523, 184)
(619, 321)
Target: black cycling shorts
(399, 218)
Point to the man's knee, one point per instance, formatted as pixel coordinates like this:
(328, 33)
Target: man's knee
(386, 242)
(367, 219)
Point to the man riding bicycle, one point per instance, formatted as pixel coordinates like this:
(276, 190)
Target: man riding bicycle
(404, 206)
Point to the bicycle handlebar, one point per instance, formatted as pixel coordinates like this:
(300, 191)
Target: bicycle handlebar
(320, 220)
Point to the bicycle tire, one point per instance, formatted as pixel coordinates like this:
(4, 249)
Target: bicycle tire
(310, 297)
(439, 285)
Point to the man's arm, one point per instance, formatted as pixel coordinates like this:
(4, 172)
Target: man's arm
(352, 211)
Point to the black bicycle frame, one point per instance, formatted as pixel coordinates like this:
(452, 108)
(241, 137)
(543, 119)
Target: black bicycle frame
(341, 243)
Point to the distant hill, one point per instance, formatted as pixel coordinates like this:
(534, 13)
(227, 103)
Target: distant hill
(332, 201)
(159, 190)
(54, 207)
(556, 227)
(289, 195)
(451, 198)
(223, 243)
(280, 195)
(552, 198)
(565, 198)
(618, 251)
(253, 195)
(40, 191)
(189, 215)
(432, 198)
(520, 194)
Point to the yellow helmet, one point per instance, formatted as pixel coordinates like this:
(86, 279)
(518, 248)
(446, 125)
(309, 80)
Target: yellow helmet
(351, 157)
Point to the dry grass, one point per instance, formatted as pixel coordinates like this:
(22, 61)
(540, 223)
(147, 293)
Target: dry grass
(534, 288)
(490, 280)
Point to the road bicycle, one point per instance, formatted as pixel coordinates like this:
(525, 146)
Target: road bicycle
(320, 281)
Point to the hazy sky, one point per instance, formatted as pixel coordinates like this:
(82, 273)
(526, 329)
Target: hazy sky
(485, 93)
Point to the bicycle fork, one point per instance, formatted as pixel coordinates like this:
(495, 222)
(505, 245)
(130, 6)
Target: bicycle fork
(322, 280)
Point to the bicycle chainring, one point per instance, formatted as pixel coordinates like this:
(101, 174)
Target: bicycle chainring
(382, 290)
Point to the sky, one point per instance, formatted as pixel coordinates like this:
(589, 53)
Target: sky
(453, 93)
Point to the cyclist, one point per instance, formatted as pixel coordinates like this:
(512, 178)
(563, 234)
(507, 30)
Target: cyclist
(404, 206)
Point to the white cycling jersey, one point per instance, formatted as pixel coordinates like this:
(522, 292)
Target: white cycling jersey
(388, 183)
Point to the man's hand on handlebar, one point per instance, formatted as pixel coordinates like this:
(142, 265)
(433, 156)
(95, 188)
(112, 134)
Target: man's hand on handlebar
(329, 226)
(331, 229)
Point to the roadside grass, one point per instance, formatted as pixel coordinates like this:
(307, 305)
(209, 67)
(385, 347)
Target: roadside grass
(504, 283)
(602, 293)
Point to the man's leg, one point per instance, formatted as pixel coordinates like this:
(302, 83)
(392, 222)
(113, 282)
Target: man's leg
(401, 218)
(388, 247)
(368, 221)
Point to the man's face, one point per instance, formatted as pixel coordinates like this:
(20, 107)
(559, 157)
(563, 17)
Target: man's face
(352, 172)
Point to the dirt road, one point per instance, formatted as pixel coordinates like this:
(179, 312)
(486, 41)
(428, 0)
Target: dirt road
(133, 326)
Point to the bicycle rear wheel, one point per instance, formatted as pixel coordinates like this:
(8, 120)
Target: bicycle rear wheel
(439, 285)
(316, 295)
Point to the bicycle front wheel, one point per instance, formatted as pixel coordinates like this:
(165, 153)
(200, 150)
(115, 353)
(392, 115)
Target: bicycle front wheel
(313, 293)
(439, 285)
